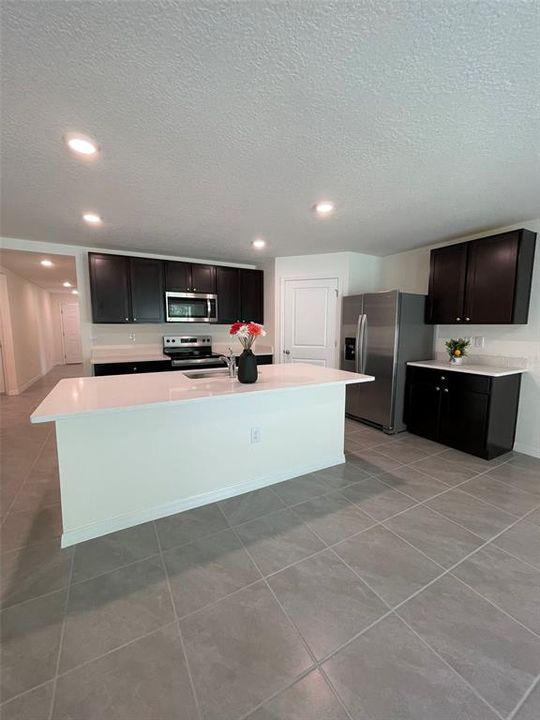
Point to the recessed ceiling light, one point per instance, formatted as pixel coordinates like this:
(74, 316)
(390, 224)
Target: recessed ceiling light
(324, 208)
(92, 218)
(74, 292)
(81, 144)
(66, 284)
(47, 263)
(258, 243)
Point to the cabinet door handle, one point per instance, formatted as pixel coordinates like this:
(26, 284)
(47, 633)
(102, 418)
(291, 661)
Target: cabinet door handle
(134, 319)
(134, 368)
(437, 388)
(467, 319)
(445, 389)
(458, 319)
(442, 377)
(286, 352)
(126, 319)
(194, 289)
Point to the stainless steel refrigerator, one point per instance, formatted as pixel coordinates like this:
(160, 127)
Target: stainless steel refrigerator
(380, 333)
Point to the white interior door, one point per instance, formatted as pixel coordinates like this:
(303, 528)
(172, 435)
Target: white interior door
(71, 331)
(309, 321)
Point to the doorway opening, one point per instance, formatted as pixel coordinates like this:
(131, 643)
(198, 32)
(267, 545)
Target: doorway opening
(39, 316)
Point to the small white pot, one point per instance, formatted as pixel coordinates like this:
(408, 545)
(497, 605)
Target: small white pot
(456, 360)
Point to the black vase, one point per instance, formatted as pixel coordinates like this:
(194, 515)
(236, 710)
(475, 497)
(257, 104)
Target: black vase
(247, 367)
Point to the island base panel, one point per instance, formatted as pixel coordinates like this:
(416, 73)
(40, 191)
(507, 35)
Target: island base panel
(120, 469)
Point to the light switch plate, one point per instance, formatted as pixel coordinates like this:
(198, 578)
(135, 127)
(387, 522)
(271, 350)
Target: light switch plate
(478, 341)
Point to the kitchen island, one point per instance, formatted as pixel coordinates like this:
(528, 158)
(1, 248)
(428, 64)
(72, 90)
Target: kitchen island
(134, 448)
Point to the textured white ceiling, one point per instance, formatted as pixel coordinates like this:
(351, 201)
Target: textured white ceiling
(220, 121)
(28, 265)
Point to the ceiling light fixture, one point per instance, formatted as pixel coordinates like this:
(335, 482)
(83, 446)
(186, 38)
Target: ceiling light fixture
(66, 284)
(92, 218)
(47, 263)
(258, 243)
(324, 208)
(74, 292)
(81, 144)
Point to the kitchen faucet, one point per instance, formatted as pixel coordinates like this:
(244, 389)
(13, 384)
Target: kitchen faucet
(230, 361)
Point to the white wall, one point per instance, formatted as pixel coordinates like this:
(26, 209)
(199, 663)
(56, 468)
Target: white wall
(509, 344)
(32, 316)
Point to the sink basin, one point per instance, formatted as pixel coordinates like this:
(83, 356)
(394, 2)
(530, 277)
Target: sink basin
(210, 373)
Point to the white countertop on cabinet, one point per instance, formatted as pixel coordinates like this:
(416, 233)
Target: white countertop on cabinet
(472, 368)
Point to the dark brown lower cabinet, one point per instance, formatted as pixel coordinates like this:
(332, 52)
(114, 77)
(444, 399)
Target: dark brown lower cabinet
(146, 366)
(473, 413)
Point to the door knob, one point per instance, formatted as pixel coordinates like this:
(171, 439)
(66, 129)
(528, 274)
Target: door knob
(286, 352)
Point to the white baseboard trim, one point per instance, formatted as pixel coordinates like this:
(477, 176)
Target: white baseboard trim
(21, 388)
(104, 527)
(527, 449)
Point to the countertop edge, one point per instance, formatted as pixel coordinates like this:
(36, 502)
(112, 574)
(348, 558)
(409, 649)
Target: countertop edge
(486, 370)
(36, 420)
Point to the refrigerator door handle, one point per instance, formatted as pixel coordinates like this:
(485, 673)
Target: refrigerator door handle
(360, 350)
(364, 344)
(357, 347)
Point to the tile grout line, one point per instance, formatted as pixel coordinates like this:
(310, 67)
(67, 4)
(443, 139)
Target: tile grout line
(388, 605)
(27, 475)
(458, 563)
(452, 669)
(177, 624)
(524, 699)
(396, 607)
(494, 604)
(61, 639)
(311, 654)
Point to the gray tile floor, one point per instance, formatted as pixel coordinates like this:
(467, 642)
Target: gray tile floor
(403, 585)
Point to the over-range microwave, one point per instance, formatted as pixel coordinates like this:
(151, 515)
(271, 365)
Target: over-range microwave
(190, 307)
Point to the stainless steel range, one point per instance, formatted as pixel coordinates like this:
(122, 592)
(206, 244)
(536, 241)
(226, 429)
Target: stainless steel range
(191, 351)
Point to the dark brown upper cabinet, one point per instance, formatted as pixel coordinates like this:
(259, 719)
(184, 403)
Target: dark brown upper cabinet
(126, 289)
(251, 295)
(447, 284)
(132, 289)
(228, 292)
(190, 277)
(485, 281)
(109, 287)
(147, 290)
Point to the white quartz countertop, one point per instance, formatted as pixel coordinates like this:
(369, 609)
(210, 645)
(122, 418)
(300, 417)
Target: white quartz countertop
(472, 368)
(87, 395)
